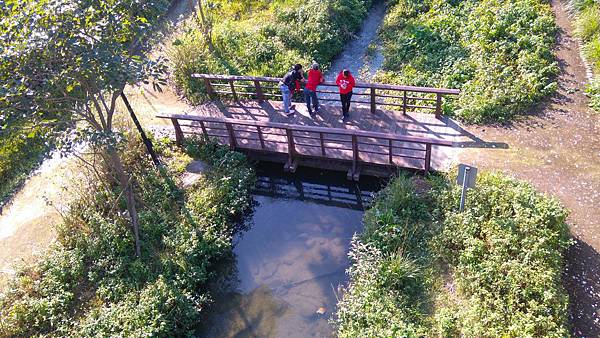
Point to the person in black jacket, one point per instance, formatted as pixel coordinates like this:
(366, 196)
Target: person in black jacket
(288, 85)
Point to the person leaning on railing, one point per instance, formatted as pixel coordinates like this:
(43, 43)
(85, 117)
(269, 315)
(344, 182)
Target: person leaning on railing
(315, 78)
(346, 83)
(288, 85)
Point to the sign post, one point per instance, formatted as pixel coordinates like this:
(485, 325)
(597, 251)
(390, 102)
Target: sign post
(466, 177)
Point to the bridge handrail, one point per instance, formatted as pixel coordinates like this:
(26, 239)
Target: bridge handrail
(313, 129)
(421, 98)
(445, 91)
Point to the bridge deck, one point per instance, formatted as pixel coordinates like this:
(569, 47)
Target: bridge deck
(361, 118)
(417, 125)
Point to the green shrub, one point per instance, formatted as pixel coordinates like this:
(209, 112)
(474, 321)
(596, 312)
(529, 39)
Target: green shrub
(389, 277)
(593, 91)
(92, 283)
(592, 52)
(422, 268)
(588, 25)
(499, 53)
(506, 251)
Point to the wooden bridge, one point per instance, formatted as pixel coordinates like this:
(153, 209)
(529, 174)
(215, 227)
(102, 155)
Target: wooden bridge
(377, 144)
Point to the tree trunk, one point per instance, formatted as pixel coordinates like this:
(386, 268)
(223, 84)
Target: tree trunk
(206, 28)
(146, 140)
(129, 196)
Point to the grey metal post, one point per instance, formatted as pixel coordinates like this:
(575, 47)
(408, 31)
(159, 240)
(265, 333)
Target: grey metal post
(463, 195)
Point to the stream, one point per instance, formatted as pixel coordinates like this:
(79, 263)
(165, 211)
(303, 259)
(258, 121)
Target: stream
(290, 264)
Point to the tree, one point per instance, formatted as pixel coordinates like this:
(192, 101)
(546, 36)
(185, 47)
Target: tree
(69, 61)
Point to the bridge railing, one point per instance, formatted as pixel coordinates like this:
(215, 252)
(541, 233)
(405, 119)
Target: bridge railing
(405, 98)
(297, 141)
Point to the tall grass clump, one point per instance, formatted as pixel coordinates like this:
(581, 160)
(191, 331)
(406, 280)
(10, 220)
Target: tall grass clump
(265, 40)
(421, 268)
(499, 53)
(388, 294)
(587, 28)
(90, 283)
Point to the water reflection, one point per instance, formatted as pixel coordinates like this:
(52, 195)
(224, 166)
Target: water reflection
(289, 263)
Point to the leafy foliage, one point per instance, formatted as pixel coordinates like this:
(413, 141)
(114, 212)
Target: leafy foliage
(91, 283)
(497, 52)
(422, 268)
(266, 42)
(506, 254)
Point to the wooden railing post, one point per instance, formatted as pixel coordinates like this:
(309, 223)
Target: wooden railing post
(231, 132)
(355, 157)
(178, 132)
(209, 89)
(427, 157)
(235, 97)
(404, 103)
(322, 144)
(291, 146)
(391, 151)
(291, 164)
(204, 129)
(260, 95)
(260, 137)
(373, 102)
(438, 105)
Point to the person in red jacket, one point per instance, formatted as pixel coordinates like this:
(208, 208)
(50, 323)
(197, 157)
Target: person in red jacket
(315, 78)
(346, 83)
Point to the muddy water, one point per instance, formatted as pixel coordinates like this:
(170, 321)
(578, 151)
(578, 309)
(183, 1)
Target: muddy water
(292, 260)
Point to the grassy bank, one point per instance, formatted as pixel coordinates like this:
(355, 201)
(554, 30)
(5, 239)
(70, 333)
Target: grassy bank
(421, 268)
(499, 53)
(587, 28)
(265, 38)
(91, 284)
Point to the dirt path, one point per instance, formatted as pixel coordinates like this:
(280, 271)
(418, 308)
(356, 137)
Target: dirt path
(557, 149)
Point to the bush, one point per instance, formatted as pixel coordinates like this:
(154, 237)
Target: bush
(387, 295)
(91, 282)
(422, 268)
(499, 53)
(588, 25)
(506, 251)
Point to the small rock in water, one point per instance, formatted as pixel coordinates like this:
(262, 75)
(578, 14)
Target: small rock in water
(321, 310)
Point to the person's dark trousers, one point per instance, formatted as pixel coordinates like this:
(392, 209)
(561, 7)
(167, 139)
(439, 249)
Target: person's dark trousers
(311, 100)
(346, 98)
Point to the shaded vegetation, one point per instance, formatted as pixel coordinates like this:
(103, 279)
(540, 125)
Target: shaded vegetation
(499, 53)
(92, 284)
(421, 268)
